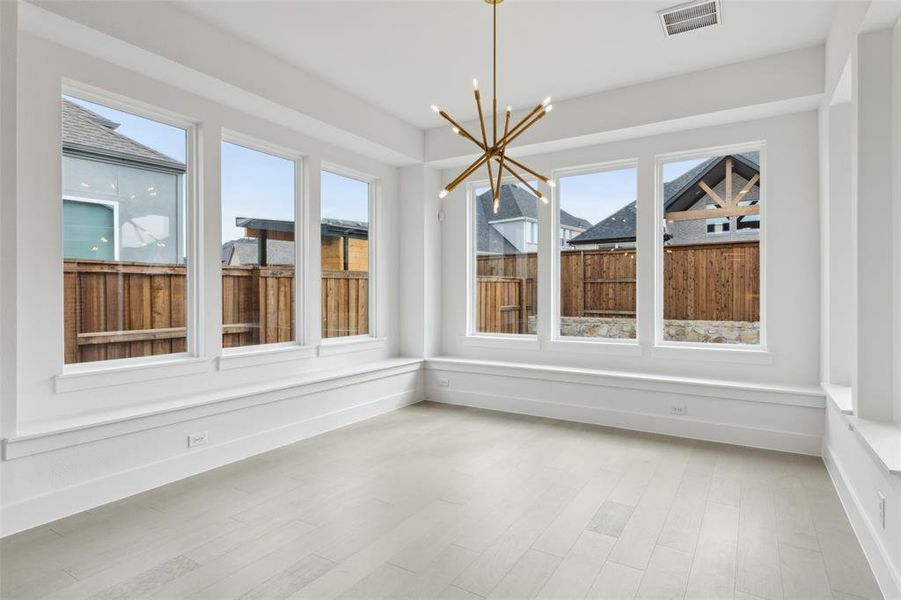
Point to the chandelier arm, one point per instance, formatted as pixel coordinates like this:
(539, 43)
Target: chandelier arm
(522, 122)
(467, 172)
(463, 132)
(478, 97)
(491, 176)
(522, 130)
(534, 191)
(519, 165)
(481, 118)
(500, 169)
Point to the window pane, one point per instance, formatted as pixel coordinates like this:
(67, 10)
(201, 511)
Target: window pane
(597, 254)
(711, 262)
(124, 230)
(258, 247)
(506, 261)
(344, 231)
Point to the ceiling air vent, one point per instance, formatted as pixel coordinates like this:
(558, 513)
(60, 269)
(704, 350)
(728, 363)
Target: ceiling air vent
(691, 16)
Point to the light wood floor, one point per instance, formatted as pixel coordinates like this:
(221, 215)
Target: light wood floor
(440, 502)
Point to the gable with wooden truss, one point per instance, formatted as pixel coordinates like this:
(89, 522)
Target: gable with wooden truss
(682, 206)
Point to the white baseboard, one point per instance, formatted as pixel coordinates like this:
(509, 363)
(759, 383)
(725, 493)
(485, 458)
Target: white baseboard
(96, 492)
(786, 441)
(887, 576)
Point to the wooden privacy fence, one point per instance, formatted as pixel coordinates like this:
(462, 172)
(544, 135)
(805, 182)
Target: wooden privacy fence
(717, 282)
(120, 310)
(345, 303)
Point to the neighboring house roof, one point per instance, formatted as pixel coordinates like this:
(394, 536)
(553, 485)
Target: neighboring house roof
(518, 203)
(246, 251)
(489, 239)
(617, 228)
(344, 228)
(679, 194)
(87, 133)
(328, 227)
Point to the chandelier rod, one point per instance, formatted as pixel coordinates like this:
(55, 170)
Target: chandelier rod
(494, 70)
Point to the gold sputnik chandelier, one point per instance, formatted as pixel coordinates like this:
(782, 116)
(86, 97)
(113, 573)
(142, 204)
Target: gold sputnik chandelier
(496, 151)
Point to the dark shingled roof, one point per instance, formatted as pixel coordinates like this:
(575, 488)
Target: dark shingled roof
(490, 239)
(516, 203)
(620, 226)
(245, 251)
(86, 132)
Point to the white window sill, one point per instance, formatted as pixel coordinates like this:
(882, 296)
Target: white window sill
(754, 355)
(594, 346)
(840, 396)
(357, 343)
(87, 376)
(237, 358)
(509, 342)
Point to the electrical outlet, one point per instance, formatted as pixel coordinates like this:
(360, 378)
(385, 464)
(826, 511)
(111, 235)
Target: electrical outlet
(198, 439)
(881, 509)
(679, 410)
(444, 382)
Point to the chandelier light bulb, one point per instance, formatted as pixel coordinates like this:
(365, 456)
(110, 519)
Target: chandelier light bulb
(509, 109)
(435, 109)
(457, 130)
(548, 108)
(443, 193)
(551, 183)
(546, 101)
(475, 84)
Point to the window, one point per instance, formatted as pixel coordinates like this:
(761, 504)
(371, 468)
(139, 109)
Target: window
(711, 249)
(124, 234)
(597, 281)
(345, 252)
(717, 225)
(258, 249)
(506, 266)
(531, 232)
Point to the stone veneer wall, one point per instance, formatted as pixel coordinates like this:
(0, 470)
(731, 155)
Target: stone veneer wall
(710, 332)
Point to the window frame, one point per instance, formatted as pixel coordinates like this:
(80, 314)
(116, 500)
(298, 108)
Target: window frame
(299, 347)
(520, 341)
(373, 339)
(193, 226)
(671, 348)
(568, 341)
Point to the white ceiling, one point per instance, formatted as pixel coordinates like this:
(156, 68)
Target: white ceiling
(405, 56)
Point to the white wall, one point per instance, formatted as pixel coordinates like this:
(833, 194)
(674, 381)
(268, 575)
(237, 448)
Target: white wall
(116, 433)
(862, 285)
(8, 70)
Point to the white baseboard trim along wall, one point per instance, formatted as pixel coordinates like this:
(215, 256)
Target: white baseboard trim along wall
(776, 418)
(48, 485)
(863, 484)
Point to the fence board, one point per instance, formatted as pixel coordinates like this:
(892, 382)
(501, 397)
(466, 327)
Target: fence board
(717, 282)
(122, 310)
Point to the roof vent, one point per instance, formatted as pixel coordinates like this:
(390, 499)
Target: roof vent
(690, 16)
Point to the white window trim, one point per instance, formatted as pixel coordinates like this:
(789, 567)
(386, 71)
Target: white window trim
(366, 341)
(512, 341)
(111, 203)
(299, 348)
(574, 343)
(708, 351)
(127, 370)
